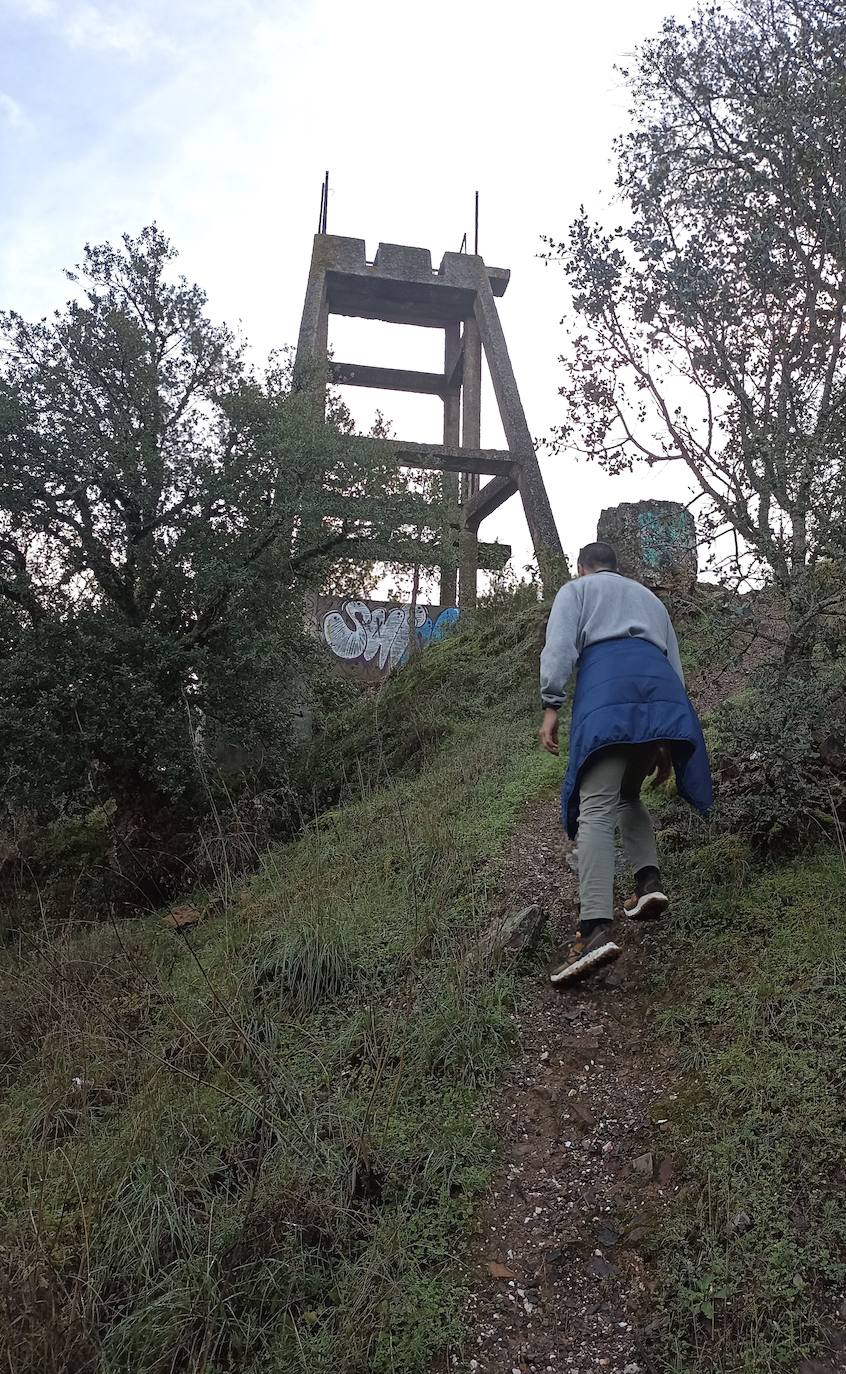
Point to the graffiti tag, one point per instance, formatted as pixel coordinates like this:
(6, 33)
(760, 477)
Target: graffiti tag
(362, 633)
(663, 539)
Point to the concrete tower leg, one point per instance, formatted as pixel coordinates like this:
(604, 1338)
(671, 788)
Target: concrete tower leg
(471, 437)
(552, 563)
(539, 517)
(321, 359)
(451, 481)
(311, 364)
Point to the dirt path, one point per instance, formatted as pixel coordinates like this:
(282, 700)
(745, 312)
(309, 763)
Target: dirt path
(558, 1280)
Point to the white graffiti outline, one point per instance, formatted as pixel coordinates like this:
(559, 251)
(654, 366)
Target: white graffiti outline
(381, 631)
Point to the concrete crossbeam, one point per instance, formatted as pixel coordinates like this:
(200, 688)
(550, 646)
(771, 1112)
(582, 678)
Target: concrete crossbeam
(388, 378)
(402, 263)
(432, 552)
(490, 557)
(488, 499)
(439, 458)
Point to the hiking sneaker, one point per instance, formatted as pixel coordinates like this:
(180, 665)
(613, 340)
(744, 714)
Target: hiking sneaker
(586, 954)
(649, 901)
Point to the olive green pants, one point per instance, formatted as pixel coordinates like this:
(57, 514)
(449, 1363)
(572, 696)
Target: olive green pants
(609, 795)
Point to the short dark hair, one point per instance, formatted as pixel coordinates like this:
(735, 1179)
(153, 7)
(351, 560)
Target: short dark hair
(598, 556)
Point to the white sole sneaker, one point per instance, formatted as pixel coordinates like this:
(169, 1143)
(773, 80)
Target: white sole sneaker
(648, 907)
(603, 954)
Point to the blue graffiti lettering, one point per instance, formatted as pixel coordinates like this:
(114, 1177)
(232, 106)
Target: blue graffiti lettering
(430, 632)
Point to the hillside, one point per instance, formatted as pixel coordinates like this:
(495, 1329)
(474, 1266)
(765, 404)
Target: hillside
(262, 1142)
(255, 1144)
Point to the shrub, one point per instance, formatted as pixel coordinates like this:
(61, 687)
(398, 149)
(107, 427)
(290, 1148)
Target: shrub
(779, 753)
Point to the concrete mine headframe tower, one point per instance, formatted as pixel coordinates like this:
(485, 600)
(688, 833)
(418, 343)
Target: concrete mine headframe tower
(400, 287)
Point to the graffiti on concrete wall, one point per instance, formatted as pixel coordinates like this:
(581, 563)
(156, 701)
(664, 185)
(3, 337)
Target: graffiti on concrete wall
(655, 542)
(436, 629)
(368, 633)
(665, 538)
(372, 637)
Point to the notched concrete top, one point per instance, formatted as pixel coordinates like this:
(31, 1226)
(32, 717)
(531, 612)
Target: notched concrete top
(402, 262)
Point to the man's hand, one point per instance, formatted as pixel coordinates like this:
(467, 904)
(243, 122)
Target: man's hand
(663, 767)
(548, 733)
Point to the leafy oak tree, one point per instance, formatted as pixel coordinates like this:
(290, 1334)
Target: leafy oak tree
(162, 510)
(712, 318)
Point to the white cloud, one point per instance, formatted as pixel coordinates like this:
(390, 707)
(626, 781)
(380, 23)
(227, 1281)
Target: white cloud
(38, 8)
(11, 113)
(108, 26)
(105, 28)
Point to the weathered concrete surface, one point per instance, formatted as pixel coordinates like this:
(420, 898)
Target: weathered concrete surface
(437, 458)
(387, 378)
(471, 429)
(451, 482)
(655, 543)
(369, 639)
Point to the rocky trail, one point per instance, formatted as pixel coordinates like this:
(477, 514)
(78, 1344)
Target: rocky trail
(558, 1279)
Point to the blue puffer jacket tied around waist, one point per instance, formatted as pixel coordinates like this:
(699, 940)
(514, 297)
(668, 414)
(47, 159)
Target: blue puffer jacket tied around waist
(628, 693)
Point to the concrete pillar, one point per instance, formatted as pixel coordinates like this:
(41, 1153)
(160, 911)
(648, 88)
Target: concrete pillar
(471, 430)
(655, 543)
(451, 483)
(552, 563)
(310, 367)
(539, 517)
(468, 568)
(471, 437)
(321, 360)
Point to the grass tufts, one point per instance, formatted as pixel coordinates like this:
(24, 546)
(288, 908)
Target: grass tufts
(752, 1261)
(254, 1145)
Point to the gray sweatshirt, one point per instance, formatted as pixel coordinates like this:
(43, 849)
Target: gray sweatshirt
(602, 605)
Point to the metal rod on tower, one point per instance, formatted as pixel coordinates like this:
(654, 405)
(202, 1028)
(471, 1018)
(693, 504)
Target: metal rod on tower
(320, 216)
(476, 249)
(463, 248)
(325, 202)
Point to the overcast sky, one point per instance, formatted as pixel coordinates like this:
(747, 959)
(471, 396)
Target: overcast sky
(217, 119)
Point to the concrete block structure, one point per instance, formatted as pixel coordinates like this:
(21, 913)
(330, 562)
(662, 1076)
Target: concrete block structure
(655, 543)
(400, 286)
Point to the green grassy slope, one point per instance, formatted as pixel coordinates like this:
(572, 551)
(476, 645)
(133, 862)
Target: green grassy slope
(752, 1260)
(255, 1146)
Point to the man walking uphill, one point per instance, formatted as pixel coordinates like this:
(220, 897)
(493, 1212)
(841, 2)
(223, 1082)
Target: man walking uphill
(629, 707)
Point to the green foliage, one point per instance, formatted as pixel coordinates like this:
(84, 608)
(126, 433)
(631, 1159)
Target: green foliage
(752, 1258)
(162, 512)
(779, 751)
(257, 1145)
(712, 316)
